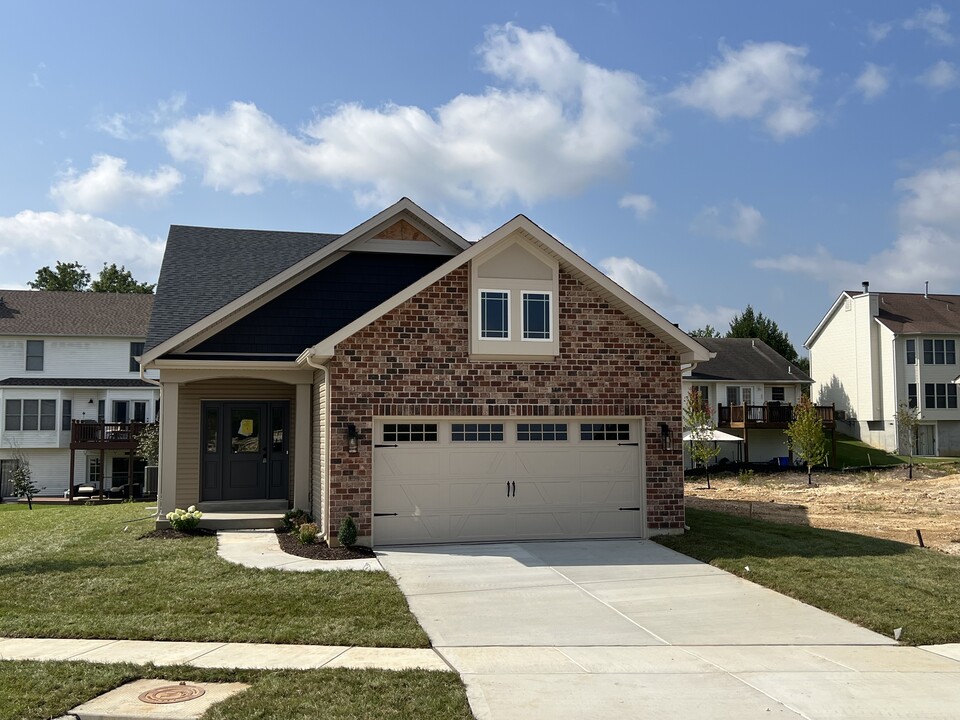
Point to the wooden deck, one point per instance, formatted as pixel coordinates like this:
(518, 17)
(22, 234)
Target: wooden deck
(104, 435)
(771, 416)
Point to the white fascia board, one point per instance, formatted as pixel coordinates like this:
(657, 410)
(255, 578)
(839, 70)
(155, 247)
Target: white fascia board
(224, 365)
(826, 318)
(690, 350)
(402, 205)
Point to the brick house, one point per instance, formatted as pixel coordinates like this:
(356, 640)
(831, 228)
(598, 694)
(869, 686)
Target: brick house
(434, 389)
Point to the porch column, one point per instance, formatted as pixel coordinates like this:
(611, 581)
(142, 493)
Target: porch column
(170, 409)
(302, 439)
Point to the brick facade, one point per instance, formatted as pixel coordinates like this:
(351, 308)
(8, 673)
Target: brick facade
(414, 361)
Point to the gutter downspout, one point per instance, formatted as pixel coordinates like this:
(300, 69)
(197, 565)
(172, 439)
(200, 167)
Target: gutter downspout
(151, 381)
(325, 467)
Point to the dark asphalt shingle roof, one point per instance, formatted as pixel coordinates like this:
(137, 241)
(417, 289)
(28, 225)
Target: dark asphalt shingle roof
(206, 268)
(87, 314)
(746, 359)
(909, 313)
(74, 382)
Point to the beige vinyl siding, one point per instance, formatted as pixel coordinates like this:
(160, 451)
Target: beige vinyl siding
(317, 474)
(188, 424)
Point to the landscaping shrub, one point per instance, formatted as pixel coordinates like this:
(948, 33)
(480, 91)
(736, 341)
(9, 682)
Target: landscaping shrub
(185, 520)
(293, 519)
(307, 533)
(348, 532)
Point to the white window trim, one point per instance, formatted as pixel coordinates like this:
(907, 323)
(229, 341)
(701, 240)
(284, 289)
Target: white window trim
(480, 293)
(523, 315)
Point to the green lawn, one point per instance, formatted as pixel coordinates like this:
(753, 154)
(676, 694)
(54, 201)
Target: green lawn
(853, 453)
(73, 571)
(36, 691)
(878, 584)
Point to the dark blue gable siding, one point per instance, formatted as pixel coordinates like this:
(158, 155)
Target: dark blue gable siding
(322, 304)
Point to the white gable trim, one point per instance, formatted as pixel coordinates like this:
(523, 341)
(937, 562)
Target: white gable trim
(291, 274)
(689, 349)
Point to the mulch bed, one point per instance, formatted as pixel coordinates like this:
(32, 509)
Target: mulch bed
(320, 551)
(171, 534)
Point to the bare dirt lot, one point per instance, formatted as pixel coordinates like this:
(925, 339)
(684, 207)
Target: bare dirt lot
(882, 502)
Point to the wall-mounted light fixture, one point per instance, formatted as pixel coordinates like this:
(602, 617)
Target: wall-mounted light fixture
(90, 401)
(666, 436)
(353, 439)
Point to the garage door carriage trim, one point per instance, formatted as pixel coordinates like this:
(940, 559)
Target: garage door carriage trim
(496, 478)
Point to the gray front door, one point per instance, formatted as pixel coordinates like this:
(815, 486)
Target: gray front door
(244, 450)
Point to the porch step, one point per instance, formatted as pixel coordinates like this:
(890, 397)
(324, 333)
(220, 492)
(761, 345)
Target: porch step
(252, 520)
(244, 506)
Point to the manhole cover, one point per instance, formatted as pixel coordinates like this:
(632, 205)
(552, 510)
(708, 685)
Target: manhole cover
(171, 694)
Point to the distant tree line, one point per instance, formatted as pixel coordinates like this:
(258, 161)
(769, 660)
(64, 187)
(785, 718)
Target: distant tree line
(752, 324)
(74, 277)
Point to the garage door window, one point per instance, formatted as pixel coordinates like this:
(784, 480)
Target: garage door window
(410, 432)
(601, 431)
(476, 432)
(538, 432)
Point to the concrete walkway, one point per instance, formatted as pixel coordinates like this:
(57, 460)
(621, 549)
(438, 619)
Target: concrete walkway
(220, 655)
(632, 629)
(261, 549)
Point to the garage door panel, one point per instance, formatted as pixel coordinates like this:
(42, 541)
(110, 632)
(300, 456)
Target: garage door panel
(461, 491)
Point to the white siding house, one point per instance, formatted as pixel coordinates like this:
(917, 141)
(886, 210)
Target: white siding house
(751, 391)
(69, 359)
(874, 351)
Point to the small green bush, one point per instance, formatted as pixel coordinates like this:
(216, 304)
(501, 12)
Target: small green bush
(348, 532)
(292, 519)
(307, 533)
(185, 520)
(745, 477)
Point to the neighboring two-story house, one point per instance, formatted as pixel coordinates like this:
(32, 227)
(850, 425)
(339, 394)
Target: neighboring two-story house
(875, 350)
(751, 390)
(433, 389)
(69, 376)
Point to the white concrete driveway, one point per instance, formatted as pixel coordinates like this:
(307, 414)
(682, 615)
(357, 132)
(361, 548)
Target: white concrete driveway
(620, 629)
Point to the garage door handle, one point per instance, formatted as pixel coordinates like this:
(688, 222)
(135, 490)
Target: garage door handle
(508, 488)
(379, 446)
(630, 444)
(384, 514)
(514, 489)
(636, 509)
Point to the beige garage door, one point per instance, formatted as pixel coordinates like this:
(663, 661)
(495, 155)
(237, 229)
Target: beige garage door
(460, 481)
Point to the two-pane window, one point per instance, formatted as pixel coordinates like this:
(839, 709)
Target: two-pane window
(911, 395)
(535, 316)
(939, 396)
(911, 352)
(939, 352)
(34, 355)
(778, 394)
(136, 350)
(66, 412)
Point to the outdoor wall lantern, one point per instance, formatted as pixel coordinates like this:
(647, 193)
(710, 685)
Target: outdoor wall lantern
(666, 436)
(353, 439)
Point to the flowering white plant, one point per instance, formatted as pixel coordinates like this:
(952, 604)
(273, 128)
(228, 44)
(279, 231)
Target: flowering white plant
(185, 520)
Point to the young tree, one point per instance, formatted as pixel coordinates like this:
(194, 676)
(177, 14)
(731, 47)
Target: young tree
(709, 331)
(908, 418)
(148, 443)
(805, 436)
(698, 420)
(23, 485)
(68, 276)
(119, 280)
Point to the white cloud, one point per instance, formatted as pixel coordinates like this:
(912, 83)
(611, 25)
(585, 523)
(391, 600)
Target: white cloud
(768, 81)
(553, 124)
(878, 31)
(739, 222)
(927, 247)
(642, 205)
(935, 21)
(132, 126)
(941, 75)
(108, 184)
(34, 239)
(873, 81)
(651, 289)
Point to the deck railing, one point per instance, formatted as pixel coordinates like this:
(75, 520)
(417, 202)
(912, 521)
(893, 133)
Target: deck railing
(104, 434)
(771, 415)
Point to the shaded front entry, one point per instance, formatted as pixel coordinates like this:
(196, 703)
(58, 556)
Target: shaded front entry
(245, 449)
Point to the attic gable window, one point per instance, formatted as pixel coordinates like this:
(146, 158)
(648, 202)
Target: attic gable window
(536, 316)
(495, 314)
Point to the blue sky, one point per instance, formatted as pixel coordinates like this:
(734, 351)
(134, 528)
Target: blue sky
(706, 155)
